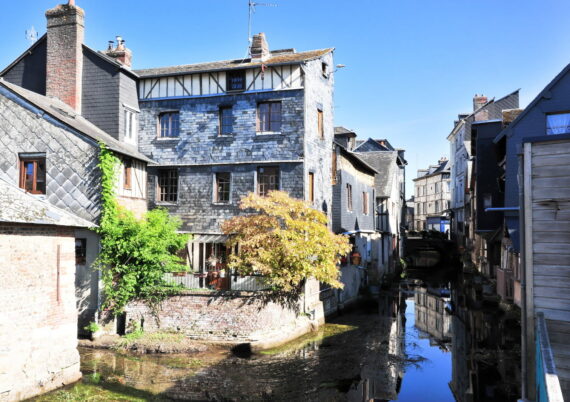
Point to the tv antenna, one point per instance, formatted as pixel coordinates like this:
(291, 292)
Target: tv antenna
(252, 5)
(32, 35)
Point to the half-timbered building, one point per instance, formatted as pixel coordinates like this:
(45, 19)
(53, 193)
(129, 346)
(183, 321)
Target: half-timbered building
(221, 130)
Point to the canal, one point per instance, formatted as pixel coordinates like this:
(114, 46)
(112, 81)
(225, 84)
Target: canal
(443, 339)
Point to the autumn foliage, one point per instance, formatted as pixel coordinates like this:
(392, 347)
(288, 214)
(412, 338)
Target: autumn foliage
(286, 241)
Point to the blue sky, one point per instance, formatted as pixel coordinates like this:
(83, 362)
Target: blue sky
(411, 65)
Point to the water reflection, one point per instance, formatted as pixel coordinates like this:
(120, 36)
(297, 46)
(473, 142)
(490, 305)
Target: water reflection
(422, 340)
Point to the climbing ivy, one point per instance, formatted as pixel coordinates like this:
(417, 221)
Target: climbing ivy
(135, 253)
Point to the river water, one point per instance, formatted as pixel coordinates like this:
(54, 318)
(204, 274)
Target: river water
(442, 339)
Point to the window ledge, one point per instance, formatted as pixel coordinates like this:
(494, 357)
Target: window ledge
(165, 203)
(268, 133)
(222, 203)
(166, 139)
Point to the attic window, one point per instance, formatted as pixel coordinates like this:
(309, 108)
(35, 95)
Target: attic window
(325, 68)
(558, 123)
(236, 80)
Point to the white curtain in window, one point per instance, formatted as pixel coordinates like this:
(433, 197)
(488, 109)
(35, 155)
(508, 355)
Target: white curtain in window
(558, 124)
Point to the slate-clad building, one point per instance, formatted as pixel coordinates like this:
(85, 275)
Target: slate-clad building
(221, 130)
(58, 101)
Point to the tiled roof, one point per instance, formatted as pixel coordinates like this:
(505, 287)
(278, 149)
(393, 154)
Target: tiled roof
(68, 116)
(17, 206)
(277, 58)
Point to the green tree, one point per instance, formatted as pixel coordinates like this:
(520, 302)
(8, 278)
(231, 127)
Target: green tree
(135, 253)
(287, 241)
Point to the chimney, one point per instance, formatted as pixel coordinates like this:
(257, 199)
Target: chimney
(259, 50)
(65, 34)
(478, 101)
(120, 52)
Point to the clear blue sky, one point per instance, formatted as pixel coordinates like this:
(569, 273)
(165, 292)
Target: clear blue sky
(411, 65)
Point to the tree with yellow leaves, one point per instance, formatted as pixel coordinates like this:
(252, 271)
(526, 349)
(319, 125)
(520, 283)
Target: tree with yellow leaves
(286, 241)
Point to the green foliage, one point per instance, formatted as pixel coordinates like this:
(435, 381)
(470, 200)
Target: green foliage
(135, 253)
(287, 241)
(92, 327)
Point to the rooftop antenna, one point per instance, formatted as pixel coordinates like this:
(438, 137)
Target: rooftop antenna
(252, 5)
(32, 35)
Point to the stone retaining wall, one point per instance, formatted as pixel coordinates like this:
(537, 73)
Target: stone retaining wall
(234, 317)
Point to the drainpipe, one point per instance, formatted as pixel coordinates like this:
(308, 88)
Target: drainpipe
(524, 323)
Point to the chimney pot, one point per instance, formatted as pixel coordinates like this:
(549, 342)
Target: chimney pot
(478, 101)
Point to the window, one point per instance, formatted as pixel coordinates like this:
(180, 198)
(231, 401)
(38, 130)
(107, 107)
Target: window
(167, 190)
(80, 251)
(127, 174)
(436, 206)
(325, 68)
(365, 203)
(169, 125)
(226, 120)
(349, 197)
(236, 80)
(558, 123)
(222, 189)
(33, 174)
(311, 187)
(269, 117)
(267, 180)
(334, 167)
(130, 124)
(320, 125)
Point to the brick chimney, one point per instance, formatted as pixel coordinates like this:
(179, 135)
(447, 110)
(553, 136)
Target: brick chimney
(65, 34)
(120, 52)
(259, 48)
(478, 101)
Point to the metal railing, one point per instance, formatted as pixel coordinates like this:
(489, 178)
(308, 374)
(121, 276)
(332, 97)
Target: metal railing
(214, 280)
(547, 383)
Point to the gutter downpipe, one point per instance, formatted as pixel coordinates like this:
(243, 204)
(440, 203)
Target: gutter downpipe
(522, 253)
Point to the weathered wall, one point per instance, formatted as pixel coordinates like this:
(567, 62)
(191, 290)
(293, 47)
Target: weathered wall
(30, 71)
(196, 206)
(38, 329)
(230, 317)
(71, 161)
(344, 219)
(319, 90)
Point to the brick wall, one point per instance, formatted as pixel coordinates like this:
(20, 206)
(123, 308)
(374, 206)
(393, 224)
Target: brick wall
(231, 317)
(66, 31)
(38, 325)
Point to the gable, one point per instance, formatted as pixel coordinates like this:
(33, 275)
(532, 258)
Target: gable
(370, 146)
(29, 70)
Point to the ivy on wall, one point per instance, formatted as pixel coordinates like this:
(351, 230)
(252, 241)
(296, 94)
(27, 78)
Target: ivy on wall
(135, 253)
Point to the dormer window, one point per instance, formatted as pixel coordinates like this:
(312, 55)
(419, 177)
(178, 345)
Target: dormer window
(236, 80)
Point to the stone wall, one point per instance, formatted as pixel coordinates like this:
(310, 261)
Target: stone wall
(38, 325)
(234, 317)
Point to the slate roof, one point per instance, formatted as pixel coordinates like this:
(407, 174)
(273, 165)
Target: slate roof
(356, 159)
(340, 130)
(65, 114)
(17, 206)
(371, 145)
(277, 58)
(443, 167)
(385, 163)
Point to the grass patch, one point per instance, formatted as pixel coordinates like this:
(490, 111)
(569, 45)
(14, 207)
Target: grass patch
(141, 338)
(326, 331)
(87, 391)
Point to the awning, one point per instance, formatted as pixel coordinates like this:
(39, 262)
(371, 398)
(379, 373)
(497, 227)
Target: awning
(209, 238)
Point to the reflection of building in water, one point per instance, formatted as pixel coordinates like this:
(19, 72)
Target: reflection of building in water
(485, 347)
(431, 316)
(382, 372)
